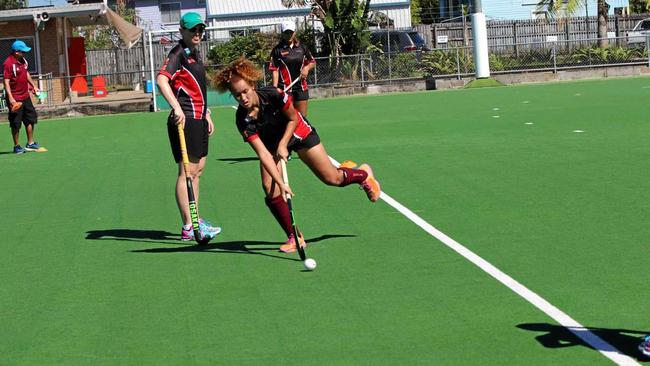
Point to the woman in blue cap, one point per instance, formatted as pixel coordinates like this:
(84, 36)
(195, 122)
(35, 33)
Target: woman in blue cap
(182, 82)
(18, 83)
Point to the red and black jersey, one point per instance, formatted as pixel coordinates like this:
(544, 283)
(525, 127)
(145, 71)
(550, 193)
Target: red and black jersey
(15, 71)
(289, 60)
(271, 122)
(187, 79)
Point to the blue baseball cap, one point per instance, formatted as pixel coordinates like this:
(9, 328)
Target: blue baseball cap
(20, 46)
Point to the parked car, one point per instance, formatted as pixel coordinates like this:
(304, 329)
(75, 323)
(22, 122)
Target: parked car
(400, 41)
(639, 33)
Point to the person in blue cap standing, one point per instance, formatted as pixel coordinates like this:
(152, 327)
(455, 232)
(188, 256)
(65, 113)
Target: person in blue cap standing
(18, 83)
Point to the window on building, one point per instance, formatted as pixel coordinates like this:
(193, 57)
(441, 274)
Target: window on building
(5, 49)
(170, 12)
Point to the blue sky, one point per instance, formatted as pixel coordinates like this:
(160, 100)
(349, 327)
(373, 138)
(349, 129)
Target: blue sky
(33, 3)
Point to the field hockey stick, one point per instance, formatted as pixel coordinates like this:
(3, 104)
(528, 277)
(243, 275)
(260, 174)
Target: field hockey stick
(194, 211)
(285, 177)
(288, 87)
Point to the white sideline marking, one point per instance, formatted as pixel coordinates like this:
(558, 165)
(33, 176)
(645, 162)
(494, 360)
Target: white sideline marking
(549, 309)
(496, 116)
(525, 102)
(578, 131)
(233, 107)
(495, 109)
(529, 123)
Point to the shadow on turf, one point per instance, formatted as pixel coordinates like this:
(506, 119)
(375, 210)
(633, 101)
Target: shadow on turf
(238, 160)
(132, 235)
(556, 336)
(238, 247)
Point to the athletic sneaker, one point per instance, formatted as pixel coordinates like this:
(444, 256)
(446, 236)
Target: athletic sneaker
(19, 149)
(349, 164)
(370, 185)
(188, 234)
(208, 227)
(290, 245)
(644, 347)
(33, 146)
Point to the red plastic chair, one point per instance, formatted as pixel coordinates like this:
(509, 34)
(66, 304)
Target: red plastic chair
(99, 87)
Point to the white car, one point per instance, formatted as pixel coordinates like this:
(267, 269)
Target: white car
(640, 32)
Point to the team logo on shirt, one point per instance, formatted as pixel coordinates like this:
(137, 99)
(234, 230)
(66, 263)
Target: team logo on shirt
(284, 53)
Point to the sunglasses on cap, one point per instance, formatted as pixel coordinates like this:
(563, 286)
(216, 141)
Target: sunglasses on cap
(197, 29)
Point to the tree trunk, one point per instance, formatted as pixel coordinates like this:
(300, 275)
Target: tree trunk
(603, 10)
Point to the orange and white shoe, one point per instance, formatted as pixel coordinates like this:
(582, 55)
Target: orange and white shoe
(290, 245)
(348, 164)
(370, 185)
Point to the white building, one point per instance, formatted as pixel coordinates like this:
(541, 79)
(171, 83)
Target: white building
(263, 15)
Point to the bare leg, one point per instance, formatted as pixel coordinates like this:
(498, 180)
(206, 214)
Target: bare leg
(318, 161)
(30, 133)
(15, 134)
(268, 185)
(301, 106)
(195, 171)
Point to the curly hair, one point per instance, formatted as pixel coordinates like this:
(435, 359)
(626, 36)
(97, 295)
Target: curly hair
(240, 67)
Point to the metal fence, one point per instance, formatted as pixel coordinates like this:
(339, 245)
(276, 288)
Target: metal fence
(507, 32)
(365, 69)
(44, 82)
(459, 61)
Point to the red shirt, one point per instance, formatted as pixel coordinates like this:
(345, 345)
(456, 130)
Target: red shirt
(16, 72)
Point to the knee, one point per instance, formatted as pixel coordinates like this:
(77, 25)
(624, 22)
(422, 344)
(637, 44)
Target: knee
(333, 179)
(197, 173)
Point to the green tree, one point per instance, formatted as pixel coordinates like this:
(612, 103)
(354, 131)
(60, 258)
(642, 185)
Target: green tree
(416, 9)
(255, 47)
(425, 11)
(639, 6)
(563, 8)
(345, 23)
(11, 4)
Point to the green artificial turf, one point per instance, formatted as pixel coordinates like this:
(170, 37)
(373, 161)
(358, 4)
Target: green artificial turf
(93, 272)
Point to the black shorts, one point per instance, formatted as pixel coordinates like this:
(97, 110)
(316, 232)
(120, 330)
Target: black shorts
(196, 137)
(26, 114)
(296, 144)
(299, 95)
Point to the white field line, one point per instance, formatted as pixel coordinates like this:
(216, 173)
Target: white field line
(549, 309)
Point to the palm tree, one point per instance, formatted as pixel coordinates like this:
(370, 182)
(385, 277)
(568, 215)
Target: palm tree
(344, 21)
(562, 8)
